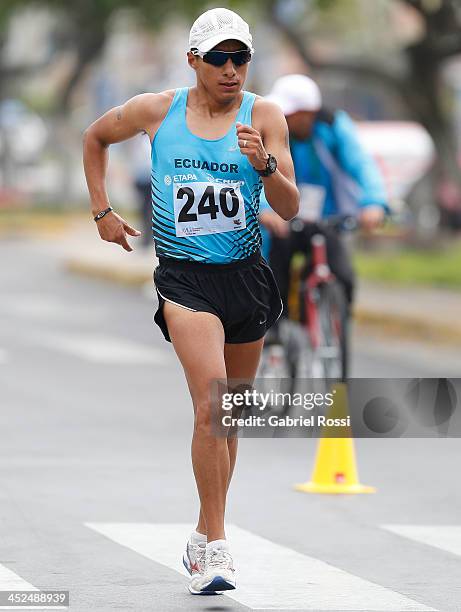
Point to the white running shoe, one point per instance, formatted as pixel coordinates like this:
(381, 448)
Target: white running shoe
(219, 573)
(194, 558)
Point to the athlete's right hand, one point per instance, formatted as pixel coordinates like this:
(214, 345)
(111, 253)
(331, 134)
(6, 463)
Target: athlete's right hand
(112, 228)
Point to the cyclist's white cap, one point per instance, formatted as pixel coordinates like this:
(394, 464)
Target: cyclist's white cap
(296, 92)
(216, 25)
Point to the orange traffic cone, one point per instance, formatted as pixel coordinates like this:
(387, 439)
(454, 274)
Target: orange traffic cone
(335, 469)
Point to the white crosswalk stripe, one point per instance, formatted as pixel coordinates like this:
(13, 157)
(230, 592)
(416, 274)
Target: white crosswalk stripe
(10, 581)
(269, 576)
(105, 349)
(445, 537)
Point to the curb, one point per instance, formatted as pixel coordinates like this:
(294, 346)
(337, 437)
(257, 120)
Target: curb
(411, 328)
(402, 326)
(127, 277)
(43, 225)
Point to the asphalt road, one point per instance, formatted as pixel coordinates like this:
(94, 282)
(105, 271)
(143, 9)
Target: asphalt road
(96, 488)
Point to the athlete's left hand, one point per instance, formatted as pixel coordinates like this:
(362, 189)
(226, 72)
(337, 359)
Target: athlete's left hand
(251, 145)
(371, 217)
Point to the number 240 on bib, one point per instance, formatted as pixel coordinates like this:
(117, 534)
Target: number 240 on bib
(204, 208)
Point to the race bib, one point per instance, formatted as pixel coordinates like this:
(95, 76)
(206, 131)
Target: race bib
(312, 199)
(207, 208)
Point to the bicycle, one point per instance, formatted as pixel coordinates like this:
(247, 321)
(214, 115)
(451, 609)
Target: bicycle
(312, 340)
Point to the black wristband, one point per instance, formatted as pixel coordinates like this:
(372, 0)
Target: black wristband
(101, 214)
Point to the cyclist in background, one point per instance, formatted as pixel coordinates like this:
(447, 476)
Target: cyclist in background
(334, 175)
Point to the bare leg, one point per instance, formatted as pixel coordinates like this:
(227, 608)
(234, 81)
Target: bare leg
(241, 362)
(198, 339)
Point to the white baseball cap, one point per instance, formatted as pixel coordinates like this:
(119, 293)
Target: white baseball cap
(216, 25)
(296, 92)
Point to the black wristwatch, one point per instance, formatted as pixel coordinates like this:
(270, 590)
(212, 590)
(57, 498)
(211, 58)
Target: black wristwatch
(271, 166)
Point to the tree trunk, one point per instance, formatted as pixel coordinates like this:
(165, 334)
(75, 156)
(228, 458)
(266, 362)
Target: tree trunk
(88, 50)
(443, 189)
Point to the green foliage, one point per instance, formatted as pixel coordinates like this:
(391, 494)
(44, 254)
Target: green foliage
(153, 11)
(7, 8)
(326, 4)
(413, 267)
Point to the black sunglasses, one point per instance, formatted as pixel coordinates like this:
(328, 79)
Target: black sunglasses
(219, 58)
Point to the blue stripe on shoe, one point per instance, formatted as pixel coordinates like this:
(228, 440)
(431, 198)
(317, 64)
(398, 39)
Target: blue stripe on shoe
(186, 564)
(218, 584)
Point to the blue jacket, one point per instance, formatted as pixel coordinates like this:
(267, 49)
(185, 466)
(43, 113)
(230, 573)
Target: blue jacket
(334, 159)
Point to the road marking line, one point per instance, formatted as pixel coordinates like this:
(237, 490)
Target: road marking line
(3, 356)
(10, 581)
(105, 349)
(269, 576)
(445, 537)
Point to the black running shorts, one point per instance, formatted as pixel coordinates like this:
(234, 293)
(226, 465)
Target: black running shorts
(243, 294)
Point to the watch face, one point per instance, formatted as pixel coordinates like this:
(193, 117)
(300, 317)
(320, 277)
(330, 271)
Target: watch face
(272, 163)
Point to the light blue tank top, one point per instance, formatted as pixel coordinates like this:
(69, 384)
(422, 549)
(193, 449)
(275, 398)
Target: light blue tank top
(205, 193)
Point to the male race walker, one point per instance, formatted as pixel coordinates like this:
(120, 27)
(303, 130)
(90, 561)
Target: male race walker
(213, 147)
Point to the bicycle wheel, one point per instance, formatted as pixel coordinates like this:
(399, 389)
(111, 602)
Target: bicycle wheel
(329, 359)
(332, 352)
(273, 362)
(290, 332)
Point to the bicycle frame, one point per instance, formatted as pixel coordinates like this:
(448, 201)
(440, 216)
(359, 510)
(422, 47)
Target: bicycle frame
(320, 274)
(312, 340)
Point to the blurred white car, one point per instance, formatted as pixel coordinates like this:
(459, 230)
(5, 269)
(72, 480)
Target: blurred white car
(404, 151)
